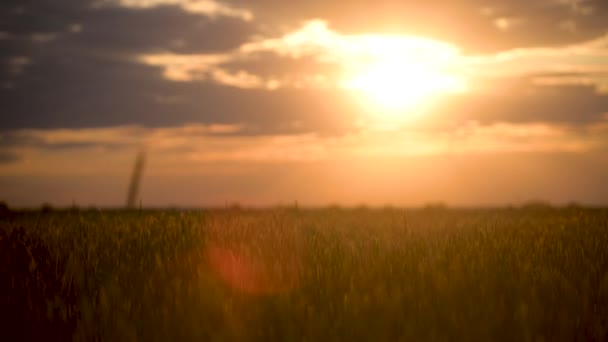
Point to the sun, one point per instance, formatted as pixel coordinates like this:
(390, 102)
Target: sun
(397, 77)
(400, 87)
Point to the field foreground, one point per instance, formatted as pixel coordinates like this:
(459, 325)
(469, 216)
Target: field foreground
(309, 275)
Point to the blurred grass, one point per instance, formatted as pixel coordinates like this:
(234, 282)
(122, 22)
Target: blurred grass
(334, 274)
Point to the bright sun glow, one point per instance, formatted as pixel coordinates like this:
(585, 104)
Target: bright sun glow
(398, 76)
(395, 77)
(396, 87)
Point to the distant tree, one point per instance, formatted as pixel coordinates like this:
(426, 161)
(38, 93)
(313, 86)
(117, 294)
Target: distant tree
(537, 205)
(334, 206)
(574, 205)
(388, 207)
(435, 206)
(362, 207)
(5, 211)
(46, 208)
(235, 206)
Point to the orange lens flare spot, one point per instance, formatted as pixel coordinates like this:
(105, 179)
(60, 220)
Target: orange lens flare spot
(254, 274)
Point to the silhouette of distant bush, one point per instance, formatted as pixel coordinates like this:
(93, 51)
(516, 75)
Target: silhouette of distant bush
(574, 205)
(435, 206)
(35, 303)
(46, 208)
(537, 205)
(5, 212)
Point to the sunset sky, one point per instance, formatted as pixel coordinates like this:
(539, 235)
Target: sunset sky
(267, 102)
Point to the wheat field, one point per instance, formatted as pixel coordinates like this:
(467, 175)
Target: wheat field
(288, 274)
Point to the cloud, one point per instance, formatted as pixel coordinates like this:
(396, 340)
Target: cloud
(126, 93)
(304, 68)
(266, 79)
(588, 56)
(112, 29)
(185, 68)
(226, 143)
(599, 81)
(521, 85)
(467, 23)
(315, 41)
(80, 27)
(507, 24)
(16, 64)
(40, 20)
(349, 53)
(208, 8)
(584, 7)
(315, 38)
(8, 157)
(522, 101)
(65, 138)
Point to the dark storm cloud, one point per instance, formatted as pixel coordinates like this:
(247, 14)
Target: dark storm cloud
(471, 23)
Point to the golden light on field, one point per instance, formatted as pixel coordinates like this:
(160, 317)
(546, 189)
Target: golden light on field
(396, 77)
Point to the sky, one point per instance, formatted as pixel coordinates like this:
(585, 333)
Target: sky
(268, 102)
